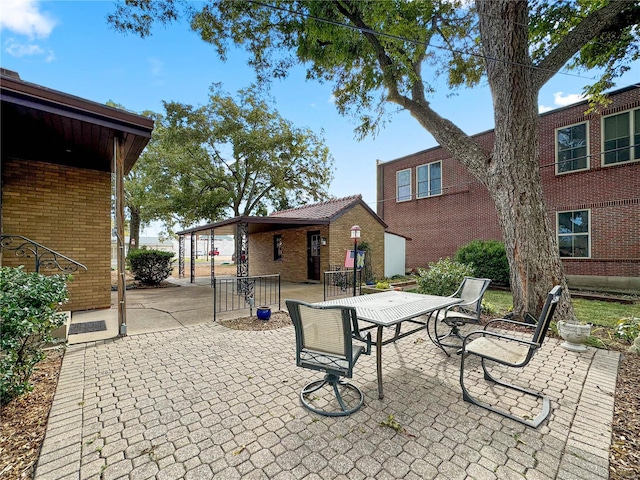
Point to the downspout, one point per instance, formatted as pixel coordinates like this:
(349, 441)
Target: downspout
(380, 189)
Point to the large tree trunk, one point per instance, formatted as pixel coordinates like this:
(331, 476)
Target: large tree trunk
(134, 227)
(513, 173)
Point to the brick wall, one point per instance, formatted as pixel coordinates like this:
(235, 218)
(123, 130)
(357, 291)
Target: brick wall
(371, 231)
(65, 209)
(464, 212)
(293, 265)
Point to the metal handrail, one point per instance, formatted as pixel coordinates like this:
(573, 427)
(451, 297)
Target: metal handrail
(339, 282)
(44, 257)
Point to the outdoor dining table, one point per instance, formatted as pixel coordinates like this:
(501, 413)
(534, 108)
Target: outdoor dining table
(391, 309)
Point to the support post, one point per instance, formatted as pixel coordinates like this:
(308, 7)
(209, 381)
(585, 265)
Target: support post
(118, 154)
(181, 256)
(213, 257)
(193, 257)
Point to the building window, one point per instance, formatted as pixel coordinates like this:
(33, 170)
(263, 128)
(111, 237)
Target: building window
(429, 180)
(277, 247)
(621, 136)
(572, 145)
(403, 185)
(573, 234)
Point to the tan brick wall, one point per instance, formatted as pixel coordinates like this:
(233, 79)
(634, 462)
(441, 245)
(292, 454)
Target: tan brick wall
(65, 209)
(293, 266)
(371, 231)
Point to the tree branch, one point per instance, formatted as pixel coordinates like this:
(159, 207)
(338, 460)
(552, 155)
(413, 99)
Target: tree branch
(583, 33)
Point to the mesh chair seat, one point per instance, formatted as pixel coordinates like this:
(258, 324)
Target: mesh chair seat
(499, 350)
(454, 316)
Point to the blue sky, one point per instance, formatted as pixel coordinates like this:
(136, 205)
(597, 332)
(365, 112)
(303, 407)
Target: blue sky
(68, 46)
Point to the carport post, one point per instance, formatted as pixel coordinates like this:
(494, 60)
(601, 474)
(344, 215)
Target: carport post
(118, 160)
(193, 257)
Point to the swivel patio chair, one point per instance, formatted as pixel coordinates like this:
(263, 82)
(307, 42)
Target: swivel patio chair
(510, 351)
(324, 342)
(470, 291)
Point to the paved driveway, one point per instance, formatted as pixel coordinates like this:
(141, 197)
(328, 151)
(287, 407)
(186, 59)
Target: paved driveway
(203, 401)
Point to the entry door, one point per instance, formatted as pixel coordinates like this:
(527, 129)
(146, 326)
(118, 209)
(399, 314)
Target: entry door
(313, 255)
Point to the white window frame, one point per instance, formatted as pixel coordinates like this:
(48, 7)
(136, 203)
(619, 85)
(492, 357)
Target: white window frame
(633, 150)
(398, 199)
(588, 233)
(428, 167)
(588, 154)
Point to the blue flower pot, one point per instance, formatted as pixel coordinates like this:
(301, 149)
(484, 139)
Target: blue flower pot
(263, 313)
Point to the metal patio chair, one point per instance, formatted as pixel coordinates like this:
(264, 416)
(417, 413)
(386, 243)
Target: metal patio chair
(512, 352)
(324, 342)
(470, 291)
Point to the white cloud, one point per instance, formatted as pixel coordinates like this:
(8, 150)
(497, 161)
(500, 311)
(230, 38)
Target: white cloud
(23, 17)
(562, 100)
(157, 67)
(17, 49)
(332, 99)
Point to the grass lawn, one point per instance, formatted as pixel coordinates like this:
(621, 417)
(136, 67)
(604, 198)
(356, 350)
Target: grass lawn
(595, 312)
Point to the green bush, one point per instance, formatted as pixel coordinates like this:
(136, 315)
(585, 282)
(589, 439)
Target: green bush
(442, 277)
(150, 266)
(488, 308)
(628, 328)
(382, 285)
(29, 304)
(488, 259)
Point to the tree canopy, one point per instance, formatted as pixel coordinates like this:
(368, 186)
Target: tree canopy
(380, 52)
(233, 157)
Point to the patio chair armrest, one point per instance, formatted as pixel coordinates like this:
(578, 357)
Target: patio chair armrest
(356, 335)
(486, 333)
(463, 304)
(513, 322)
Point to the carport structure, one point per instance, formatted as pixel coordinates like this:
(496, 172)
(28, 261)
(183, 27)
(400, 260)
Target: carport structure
(299, 243)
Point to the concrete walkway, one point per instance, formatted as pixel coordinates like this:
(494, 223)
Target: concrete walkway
(201, 401)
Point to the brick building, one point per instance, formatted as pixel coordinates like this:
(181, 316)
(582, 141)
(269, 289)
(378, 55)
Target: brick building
(590, 171)
(58, 156)
(301, 243)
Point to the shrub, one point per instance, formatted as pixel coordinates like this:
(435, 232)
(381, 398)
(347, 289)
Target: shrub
(150, 266)
(382, 285)
(488, 308)
(488, 259)
(628, 328)
(29, 305)
(442, 277)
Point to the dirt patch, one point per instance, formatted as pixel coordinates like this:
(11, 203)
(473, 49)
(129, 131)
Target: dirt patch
(277, 320)
(24, 421)
(624, 455)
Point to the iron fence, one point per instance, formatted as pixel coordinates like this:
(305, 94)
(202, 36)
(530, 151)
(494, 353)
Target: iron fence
(239, 293)
(339, 283)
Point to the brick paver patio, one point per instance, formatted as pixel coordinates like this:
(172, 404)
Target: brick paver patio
(204, 401)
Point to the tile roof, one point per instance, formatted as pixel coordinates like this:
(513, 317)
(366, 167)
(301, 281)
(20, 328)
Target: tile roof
(322, 210)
